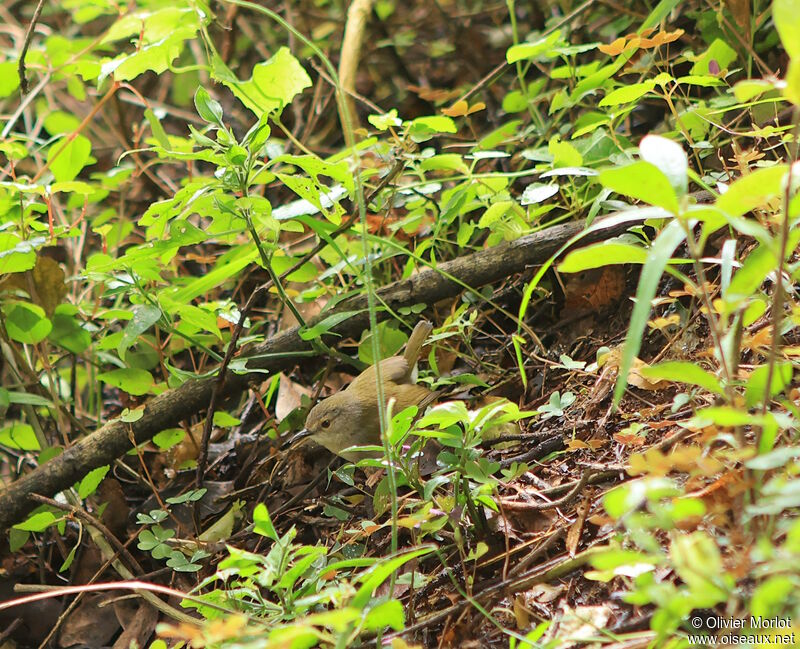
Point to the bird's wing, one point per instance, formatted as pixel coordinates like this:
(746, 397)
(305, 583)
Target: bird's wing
(411, 394)
(394, 369)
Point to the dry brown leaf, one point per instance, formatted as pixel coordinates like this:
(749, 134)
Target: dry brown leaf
(44, 283)
(289, 397)
(591, 290)
(576, 529)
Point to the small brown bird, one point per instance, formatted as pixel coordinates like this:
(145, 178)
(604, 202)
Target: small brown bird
(350, 417)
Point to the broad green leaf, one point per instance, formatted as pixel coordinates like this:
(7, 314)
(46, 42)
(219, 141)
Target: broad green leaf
(683, 372)
(20, 436)
(538, 192)
(144, 317)
(158, 130)
(774, 459)
(786, 15)
(9, 78)
(91, 480)
(67, 331)
(602, 254)
(750, 276)
(387, 614)
(273, 84)
(168, 438)
(68, 155)
(642, 180)
(748, 89)
(375, 576)
(424, 128)
(792, 90)
(753, 190)
(131, 380)
(669, 157)
(719, 52)
(535, 49)
(16, 255)
(209, 109)
(8, 397)
(627, 94)
(756, 388)
(262, 523)
(385, 121)
(659, 254)
(26, 323)
(37, 522)
(707, 81)
(445, 161)
(156, 57)
(390, 339)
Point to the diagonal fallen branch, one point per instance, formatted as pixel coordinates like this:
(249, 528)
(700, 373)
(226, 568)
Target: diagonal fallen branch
(169, 408)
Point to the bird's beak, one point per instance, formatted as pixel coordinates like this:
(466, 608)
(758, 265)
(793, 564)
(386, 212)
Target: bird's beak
(294, 438)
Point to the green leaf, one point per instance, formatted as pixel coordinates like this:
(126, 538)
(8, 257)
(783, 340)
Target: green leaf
(387, 614)
(158, 130)
(445, 161)
(67, 330)
(144, 317)
(774, 459)
(190, 496)
(642, 180)
(9, 78)
(670, 159)
(28, 398)
(26, 323)
(750, 276)
(748, 89)
(424, 128)
(753, 190)
(658, 256)
(792, 90)
(91, 480)
(37, 522)
(385, 121)
(68, 155)
(391, 339)
(17, 538)
(131, 380)
(757, 382)
(786, 15)
(606, 253)
(683, 372)
(263, 523)
(375, 576)
(16, 255)
(719, 52)
(627, 94)
(326, 324)
(168, 438)
(20, 436)
(727, 416)
(537, 192)
(272, 85)
(209, 109)
(535, 49)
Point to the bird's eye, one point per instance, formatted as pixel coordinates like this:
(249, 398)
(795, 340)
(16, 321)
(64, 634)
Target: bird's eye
(326, 423)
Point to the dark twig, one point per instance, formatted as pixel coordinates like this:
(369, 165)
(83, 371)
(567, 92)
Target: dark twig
(23, 79)
(517, 505)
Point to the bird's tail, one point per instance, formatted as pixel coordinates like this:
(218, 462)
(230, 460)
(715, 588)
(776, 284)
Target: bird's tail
(416, 341)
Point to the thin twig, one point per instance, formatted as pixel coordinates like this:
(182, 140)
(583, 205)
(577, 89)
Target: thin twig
(23, 79)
